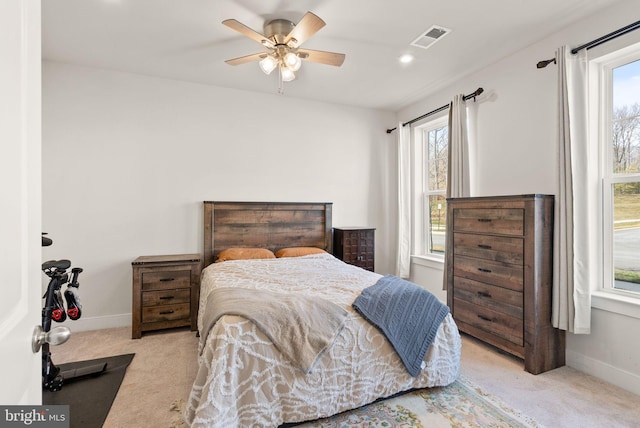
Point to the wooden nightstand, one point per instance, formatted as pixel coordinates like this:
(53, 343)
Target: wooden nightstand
(355, 245)
(166, 291)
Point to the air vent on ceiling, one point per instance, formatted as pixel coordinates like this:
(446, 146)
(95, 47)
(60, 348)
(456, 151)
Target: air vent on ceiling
(430, 36)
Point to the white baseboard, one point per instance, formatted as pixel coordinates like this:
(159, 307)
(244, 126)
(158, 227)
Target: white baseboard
(98, 323)
(604, 371)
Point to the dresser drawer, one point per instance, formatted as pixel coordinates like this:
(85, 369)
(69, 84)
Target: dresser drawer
(166, 312)
(166, 297)
(166, 279)
(506, 221)
(498, 248)
(483, 318)
(498, 299)
(490, 272)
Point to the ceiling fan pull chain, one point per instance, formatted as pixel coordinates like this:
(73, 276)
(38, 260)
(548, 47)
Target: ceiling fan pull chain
(280, 82)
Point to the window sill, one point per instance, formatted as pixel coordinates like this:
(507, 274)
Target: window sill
(616, 303)
(428, 261)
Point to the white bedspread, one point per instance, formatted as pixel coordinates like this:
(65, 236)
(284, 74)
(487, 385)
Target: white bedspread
(243, 380)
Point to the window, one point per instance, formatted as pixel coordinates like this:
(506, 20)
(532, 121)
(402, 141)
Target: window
(431, 156)
(619, 136)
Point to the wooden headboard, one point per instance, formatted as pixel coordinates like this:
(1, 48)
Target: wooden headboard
(271, 225)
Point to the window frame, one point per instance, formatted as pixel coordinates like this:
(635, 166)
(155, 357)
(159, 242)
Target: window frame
(422, 226)
(601, 103)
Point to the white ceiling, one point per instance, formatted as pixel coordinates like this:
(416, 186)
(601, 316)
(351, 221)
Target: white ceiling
(185, 40)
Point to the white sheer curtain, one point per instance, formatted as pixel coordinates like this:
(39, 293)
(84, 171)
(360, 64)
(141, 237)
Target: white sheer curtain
(575, 206)
(403, 260)
(458, 182)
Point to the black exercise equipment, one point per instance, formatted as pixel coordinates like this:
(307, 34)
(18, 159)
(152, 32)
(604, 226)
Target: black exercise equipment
(54, 310)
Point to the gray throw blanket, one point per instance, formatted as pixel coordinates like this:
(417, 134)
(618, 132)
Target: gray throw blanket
(408, 315)
(301, 327)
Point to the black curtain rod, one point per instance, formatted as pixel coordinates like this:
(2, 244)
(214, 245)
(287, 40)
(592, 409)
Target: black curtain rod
(439, 109)
(597, 42)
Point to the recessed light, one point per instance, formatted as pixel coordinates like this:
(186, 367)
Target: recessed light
(406, 58)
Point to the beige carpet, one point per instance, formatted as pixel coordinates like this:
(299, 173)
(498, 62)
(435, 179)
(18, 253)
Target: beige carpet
(161, 372)
(164, 367)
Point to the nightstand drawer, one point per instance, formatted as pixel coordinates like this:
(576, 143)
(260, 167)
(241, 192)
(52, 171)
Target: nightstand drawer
(165, 313)
(359, 259)
(166, 297)
(166, 279)
(506, 221)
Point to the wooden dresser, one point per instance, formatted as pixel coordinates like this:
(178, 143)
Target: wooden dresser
(166, 290)
(355, 245)
(499, 275)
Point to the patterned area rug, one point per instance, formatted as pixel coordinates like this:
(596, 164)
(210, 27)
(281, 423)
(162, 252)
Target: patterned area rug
(461, 404)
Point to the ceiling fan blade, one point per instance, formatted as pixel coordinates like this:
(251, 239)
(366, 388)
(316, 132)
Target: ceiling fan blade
(247, 58)
(248, 32)
(323, 57)
(307, 27)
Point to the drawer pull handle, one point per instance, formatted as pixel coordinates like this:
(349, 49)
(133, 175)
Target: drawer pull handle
(484, 220)
(167, 279)
(482, 317)
(484, 270)
(484, 294)
(484, 247)
(166, 312)
(166, 297)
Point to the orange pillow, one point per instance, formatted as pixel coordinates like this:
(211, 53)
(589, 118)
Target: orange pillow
(244, 254)
(298, 251)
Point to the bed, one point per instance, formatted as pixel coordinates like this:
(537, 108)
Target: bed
(243, 379)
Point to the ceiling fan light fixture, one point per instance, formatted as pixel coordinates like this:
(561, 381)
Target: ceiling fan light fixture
(287, 74)
(292, 61)
(282, 38)
(268, 64)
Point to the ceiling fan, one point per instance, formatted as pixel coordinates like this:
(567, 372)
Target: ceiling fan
(282, 39)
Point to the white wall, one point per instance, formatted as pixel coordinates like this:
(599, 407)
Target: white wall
(128, 160)
(515, 153)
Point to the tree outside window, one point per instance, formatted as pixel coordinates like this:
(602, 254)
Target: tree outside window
(436, 141)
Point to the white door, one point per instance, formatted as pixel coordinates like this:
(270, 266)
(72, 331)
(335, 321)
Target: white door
(20, 218)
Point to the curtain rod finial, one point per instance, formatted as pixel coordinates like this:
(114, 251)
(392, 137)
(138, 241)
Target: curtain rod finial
(543, 64)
